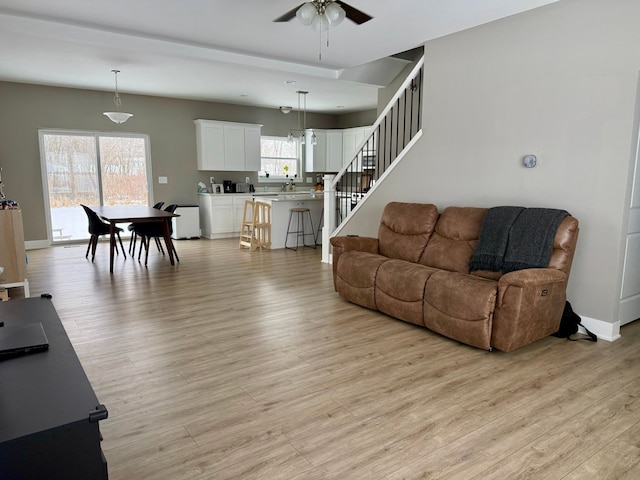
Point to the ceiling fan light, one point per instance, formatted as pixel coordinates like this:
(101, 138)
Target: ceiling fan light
(335, 14)
(320, 23)
(307, 13)
(118, 117)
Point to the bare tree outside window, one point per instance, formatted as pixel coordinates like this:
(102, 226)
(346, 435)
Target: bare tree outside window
(91, 169)
(279, 157)
(124, 173)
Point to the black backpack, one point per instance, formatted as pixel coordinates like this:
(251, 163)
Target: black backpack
(569, 326)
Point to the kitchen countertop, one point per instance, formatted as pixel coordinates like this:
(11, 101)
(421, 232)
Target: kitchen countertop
(277, 196)
(244, 194)
(285, 197)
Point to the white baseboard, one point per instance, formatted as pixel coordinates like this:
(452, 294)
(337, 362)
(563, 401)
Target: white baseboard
(36, 244)
(603, 330)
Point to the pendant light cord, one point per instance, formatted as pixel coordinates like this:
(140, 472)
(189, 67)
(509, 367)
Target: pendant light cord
(116, 98)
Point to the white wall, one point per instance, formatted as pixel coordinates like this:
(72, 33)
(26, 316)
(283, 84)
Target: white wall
(560, 82)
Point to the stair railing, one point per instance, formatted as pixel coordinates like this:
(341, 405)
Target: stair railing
(396, 126)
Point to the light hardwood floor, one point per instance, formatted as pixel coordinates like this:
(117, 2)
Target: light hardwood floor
(247, 365)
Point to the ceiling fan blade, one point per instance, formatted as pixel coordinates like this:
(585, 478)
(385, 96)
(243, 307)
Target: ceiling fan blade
(289, 15)
(353, 13)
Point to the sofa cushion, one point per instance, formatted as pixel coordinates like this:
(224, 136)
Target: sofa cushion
(405, 229)
(461, 306)
(454, 239)
(356, 276)
(400, 289)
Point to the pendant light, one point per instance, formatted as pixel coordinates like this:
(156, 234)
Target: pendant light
(301, 130)
(118, 116)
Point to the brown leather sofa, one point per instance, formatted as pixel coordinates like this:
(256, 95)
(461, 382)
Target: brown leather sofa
(417, 270)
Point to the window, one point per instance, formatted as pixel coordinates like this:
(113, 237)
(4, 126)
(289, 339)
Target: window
(92, 169)
(280, 158)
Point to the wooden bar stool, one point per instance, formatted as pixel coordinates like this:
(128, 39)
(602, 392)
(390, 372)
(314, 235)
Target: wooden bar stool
(320, 225)
(300, 231)
(255, 231)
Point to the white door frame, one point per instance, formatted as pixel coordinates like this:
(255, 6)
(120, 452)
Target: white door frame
(630, 288)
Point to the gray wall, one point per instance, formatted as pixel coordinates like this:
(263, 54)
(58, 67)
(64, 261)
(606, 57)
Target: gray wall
(357, 119)
(168, 122)
(560, 82)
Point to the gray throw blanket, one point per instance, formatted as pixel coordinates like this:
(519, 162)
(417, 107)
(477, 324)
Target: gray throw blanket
(515, 238)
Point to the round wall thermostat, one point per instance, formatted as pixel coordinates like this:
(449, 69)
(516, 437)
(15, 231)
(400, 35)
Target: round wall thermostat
(530, 161)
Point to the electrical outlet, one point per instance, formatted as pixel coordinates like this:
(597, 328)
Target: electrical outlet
(163, 180)
(247, 180)
(212, 180)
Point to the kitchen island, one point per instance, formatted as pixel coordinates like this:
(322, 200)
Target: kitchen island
(281, 203)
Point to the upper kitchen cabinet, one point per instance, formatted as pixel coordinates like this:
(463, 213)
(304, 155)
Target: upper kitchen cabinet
(252, 147)
(326, 155)
(352, 138)
(334, 148)
(315, 156)
(227, 146)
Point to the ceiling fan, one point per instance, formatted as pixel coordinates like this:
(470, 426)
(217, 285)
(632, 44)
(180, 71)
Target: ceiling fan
(334, 11)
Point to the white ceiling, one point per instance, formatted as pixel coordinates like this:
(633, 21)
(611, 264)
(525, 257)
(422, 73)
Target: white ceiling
(226, 51)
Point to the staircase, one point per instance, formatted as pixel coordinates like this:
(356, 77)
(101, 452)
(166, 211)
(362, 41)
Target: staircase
(394, 132)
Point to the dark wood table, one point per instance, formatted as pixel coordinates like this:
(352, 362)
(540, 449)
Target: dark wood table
(135, 214)
(49, 412)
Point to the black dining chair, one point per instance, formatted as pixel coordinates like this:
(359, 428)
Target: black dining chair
(97, 228)
(134, 235)
(149, 230)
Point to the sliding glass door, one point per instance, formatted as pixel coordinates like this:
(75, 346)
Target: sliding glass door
(91, 169)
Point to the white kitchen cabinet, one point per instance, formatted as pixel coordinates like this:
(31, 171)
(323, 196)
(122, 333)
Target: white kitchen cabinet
(326, 154)
(316, 155)
(333, 149)
(252, 147)
(221, 215)
(238, 211)
(210, 145)
(216, 215)
(351, 139)
(234, 148)
(227, 146)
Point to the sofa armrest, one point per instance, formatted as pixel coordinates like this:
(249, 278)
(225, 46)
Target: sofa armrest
(529, 307)
(362, 244)
(531, 277)
(344, 244)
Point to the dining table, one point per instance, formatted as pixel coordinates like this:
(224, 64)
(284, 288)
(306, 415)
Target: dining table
(114, 214)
